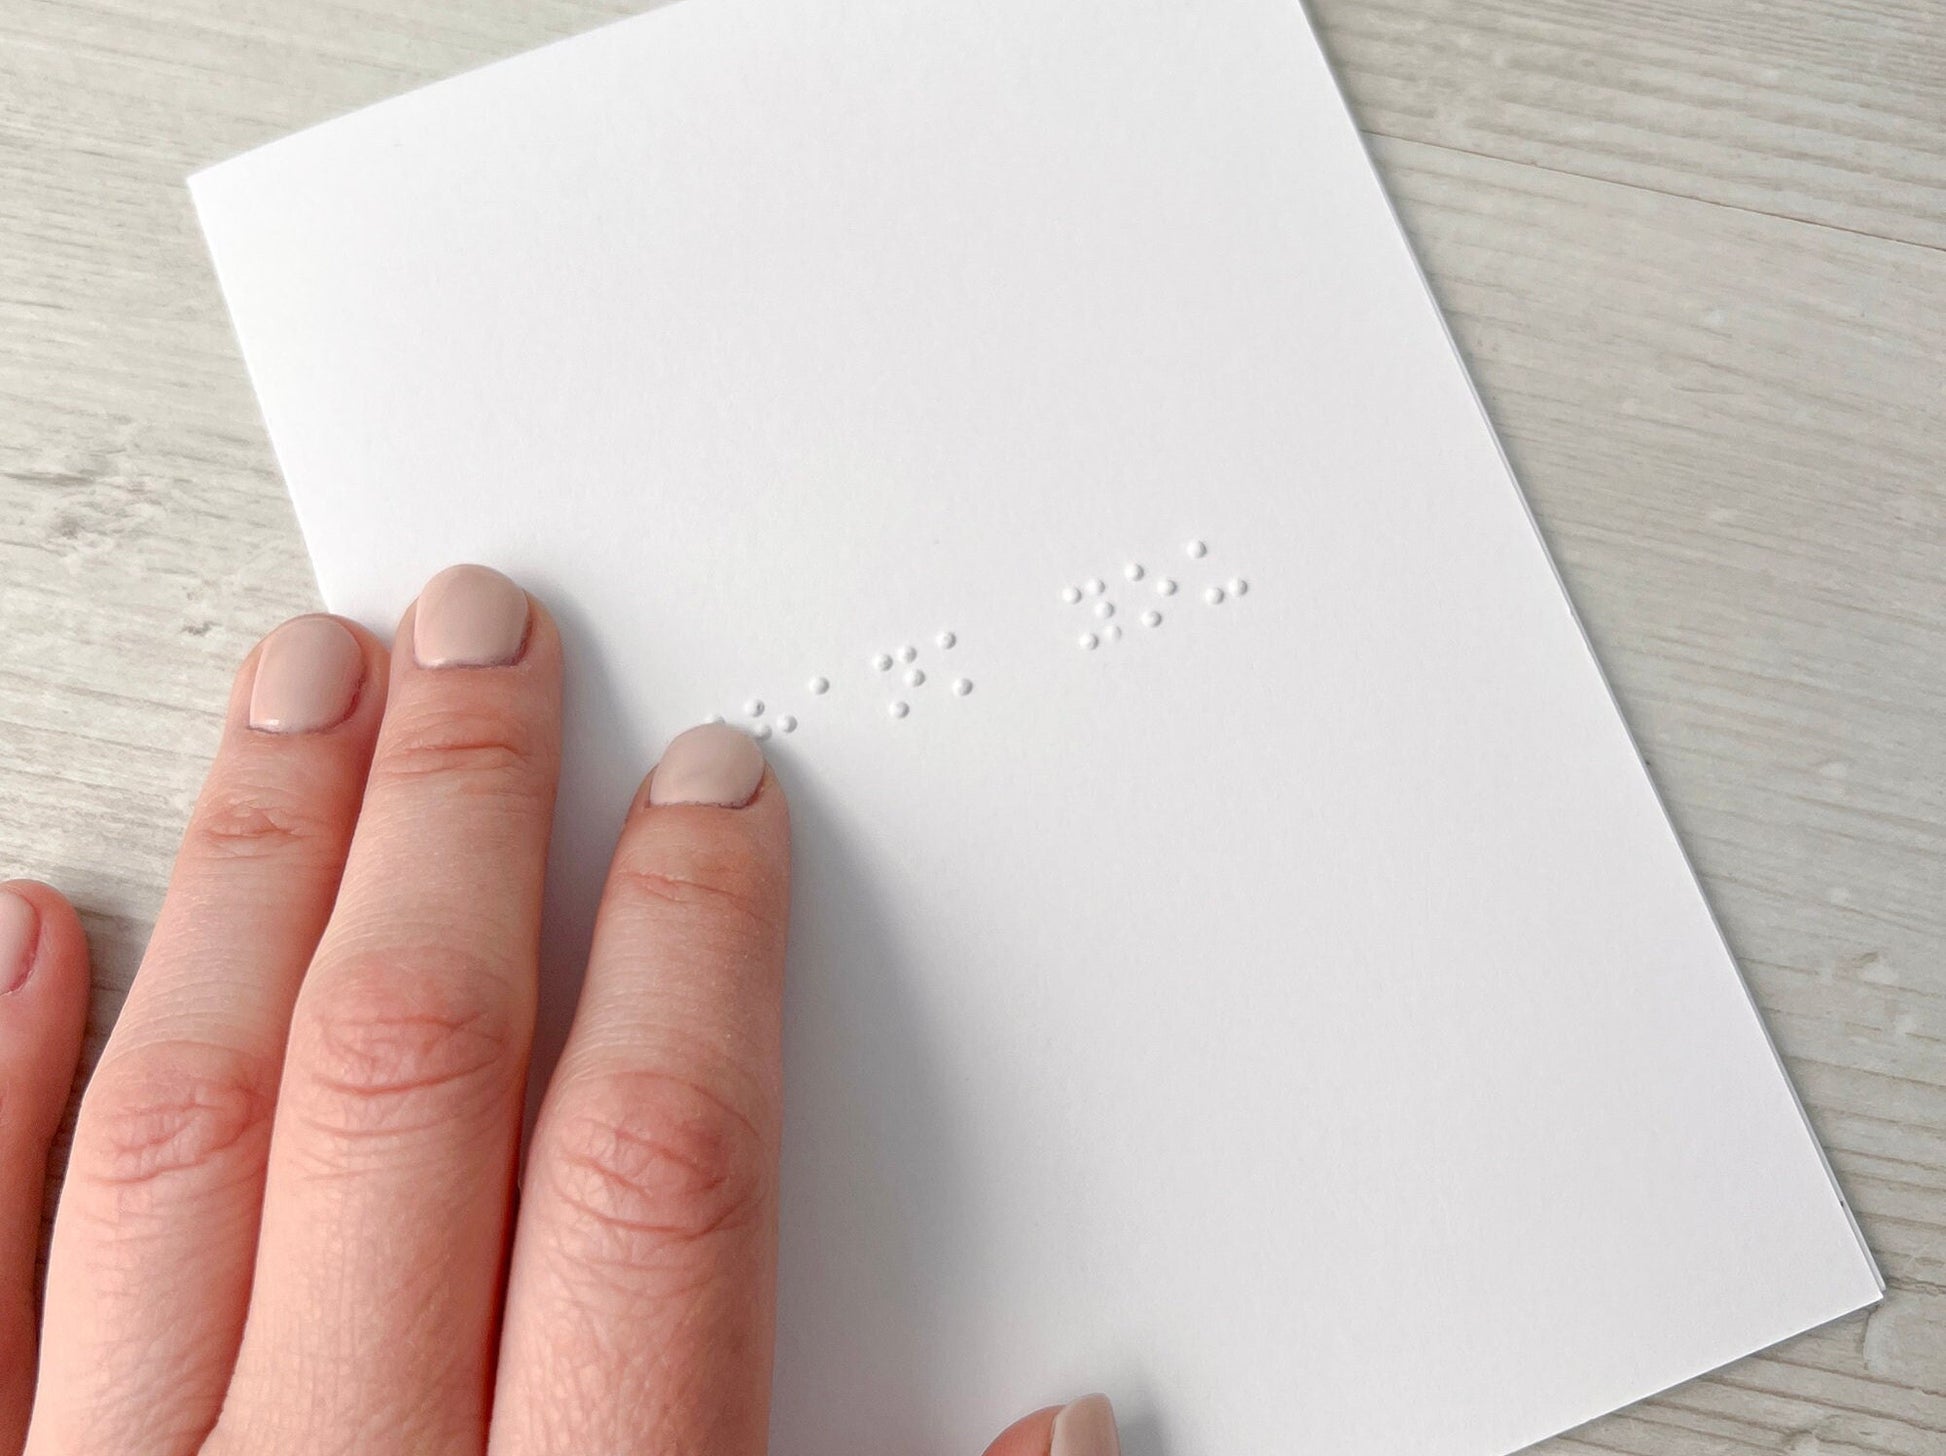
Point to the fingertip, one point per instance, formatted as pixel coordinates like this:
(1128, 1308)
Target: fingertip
(313, 673)
(1084, 1427)
(43, 998)
(712, 766)
(1031, 1435)
(474, 616)
(43, 949)
(713, 807)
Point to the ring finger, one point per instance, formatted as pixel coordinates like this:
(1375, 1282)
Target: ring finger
(150, 1266)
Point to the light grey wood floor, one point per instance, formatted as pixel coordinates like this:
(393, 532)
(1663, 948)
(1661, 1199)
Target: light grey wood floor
(1694, 249)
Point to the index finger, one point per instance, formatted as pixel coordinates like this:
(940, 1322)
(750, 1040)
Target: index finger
(640, 1303)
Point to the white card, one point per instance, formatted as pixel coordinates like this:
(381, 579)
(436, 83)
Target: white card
(1291, 1013)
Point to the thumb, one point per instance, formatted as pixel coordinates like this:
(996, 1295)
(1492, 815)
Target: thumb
(1085, 1428)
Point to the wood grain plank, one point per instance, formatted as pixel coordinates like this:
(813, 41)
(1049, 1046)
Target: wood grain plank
(1829, 111)
(1823, 110)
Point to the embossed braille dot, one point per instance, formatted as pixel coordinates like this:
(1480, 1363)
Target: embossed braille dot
(1238, 586)
(1197, 550)
(883, 662)
(762, 731)
(787, 724)
(1096, 586)
(1104, 610)
(714, 718)
(947, 641)
(962, 686)
(755, 707)
(1070, 594)
(898, 710)
(915, 678)
(1088, 642)
(1165, 587)
(1114, 631)
(1134, 571)
(906, 654)
(819, 686)
(1152, 618)
(1214, 596)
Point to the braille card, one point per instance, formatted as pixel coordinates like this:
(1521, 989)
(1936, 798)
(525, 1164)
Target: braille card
(1239, 959)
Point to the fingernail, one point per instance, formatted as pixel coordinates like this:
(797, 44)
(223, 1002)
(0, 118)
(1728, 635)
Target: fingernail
(714, 764)
(469, 616)
(20, 924)
(307, 677)
(1086, 1428)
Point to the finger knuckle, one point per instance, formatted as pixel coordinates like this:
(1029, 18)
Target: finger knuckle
(703, 884)
(402, 1040)
(249, 822)
(168, 1110)
(476, 749)
(652, 1163)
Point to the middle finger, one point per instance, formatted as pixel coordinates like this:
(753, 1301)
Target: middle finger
(371, 1320)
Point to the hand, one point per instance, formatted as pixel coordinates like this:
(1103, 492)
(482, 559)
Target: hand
(288, 1223)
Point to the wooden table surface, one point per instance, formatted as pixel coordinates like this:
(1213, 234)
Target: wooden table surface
(1695, 251)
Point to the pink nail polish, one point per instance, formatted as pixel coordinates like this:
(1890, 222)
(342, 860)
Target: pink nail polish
(1086, 1428)
(20, 925)
(715, 764)
(307, 677)
(469, 616)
